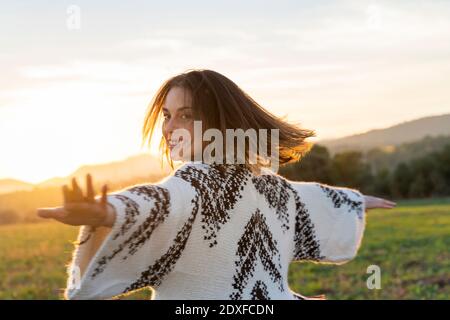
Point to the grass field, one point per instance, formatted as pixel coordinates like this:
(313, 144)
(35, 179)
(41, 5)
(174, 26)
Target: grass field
(409, 243)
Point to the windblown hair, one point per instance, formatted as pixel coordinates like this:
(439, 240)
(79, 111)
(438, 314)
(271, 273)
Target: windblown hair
(221, 104)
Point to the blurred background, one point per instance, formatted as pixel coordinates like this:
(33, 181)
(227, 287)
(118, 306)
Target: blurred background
(372, 79)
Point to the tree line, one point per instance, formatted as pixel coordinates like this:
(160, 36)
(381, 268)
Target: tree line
(420, 177)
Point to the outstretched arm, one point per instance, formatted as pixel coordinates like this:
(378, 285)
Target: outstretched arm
(79, 209)
(330, 221)
(124, 238)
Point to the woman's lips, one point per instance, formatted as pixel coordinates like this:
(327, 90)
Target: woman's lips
(172, 143)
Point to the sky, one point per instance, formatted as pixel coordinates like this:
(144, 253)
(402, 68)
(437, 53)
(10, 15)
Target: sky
(77, 76)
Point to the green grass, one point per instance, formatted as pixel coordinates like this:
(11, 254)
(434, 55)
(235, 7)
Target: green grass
(409, 243)
(33, 257)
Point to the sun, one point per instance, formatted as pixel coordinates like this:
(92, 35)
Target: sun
(53, 130)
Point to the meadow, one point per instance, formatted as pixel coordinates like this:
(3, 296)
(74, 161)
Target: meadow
(410, 244)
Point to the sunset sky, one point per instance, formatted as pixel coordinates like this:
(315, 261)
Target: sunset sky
(76, 93)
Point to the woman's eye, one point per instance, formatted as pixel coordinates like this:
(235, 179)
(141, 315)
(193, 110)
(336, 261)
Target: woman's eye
(166, 116)
(186, 116)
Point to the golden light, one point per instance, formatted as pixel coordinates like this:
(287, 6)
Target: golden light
(57, 128)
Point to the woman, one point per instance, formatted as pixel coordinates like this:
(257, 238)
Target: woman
(211, 230)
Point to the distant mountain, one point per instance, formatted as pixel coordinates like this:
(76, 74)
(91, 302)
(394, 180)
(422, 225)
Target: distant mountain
(142, 165)
(405, 132)
(12, 185)
(390, 157)
(133, 168)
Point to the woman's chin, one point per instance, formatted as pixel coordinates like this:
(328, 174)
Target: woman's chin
(175, 156)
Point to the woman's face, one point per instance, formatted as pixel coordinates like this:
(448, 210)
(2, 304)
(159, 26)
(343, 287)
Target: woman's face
(178, 114)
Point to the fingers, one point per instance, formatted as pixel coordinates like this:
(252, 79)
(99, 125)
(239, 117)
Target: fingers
(76, 192)
(375, 202)
(52, 213)
(387, 204)
(66, 194)
(390, 205)
(90, 189)
(104, 200)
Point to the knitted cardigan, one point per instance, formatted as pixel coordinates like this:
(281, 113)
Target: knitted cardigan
(212, 231)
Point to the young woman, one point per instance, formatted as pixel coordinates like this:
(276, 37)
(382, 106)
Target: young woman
(211, 230)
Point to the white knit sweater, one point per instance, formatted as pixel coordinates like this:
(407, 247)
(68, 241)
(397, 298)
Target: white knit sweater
(215, 232)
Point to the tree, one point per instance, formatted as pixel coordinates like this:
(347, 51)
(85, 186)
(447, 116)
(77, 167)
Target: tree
(349, 169)
(314, 166)
(382, 183)
(418, 188)
(401, 181)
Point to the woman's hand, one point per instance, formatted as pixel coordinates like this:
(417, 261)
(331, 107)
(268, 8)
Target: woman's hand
(374, 202)
(82, 210)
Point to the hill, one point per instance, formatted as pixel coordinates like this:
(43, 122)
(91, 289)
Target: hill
(405, 132)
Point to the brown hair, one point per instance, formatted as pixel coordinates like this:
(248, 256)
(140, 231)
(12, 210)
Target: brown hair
(219, 103)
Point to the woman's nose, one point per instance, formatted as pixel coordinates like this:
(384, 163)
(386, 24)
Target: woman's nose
(169, 127)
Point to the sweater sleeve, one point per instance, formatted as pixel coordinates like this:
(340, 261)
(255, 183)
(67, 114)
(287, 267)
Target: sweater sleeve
(110, 261)
(329, 222)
